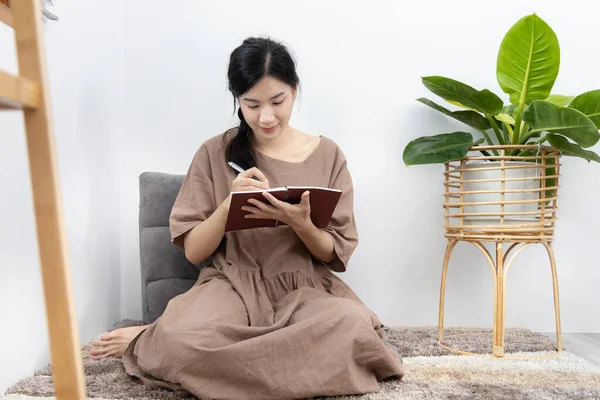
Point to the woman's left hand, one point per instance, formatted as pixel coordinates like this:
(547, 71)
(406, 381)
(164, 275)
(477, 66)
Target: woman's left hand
(296, 216)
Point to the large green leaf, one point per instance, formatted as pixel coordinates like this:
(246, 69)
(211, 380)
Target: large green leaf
(560, 100)
(571, 149)
(545, 116)
(505, 118)
(528, 60)
(464, 95)
(509, 109)
(469, 117)
(438, 149)
(589, 104)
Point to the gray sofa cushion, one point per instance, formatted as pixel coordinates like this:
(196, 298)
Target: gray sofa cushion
(166, 272)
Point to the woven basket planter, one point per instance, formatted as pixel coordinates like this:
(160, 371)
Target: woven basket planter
(502, 197)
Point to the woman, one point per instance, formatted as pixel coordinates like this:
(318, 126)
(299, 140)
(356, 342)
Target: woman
(267, 319)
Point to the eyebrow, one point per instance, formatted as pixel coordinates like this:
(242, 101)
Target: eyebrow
(272, 98)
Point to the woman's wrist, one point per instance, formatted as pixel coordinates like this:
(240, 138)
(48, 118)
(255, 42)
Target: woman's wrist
(223, 209)
(305, 227)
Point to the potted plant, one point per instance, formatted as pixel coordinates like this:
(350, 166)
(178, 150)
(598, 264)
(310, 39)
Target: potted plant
(527, 66)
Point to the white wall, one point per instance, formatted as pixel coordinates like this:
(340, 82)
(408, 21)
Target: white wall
(83, 58)
(361, 67)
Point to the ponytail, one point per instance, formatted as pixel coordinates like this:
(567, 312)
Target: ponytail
(239, 150)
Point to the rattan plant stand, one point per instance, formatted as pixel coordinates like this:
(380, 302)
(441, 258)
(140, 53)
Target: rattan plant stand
(509, 200)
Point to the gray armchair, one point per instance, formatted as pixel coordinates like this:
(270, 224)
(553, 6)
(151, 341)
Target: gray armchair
(166, 272)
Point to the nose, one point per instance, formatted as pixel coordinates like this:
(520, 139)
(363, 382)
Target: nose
(266, 115)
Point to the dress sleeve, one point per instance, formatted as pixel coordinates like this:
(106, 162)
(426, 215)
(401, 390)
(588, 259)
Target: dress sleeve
(342, 226)
(195, 201)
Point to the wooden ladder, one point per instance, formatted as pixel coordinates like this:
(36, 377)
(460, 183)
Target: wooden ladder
(28, 92)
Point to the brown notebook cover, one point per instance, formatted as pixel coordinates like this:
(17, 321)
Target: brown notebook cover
(322, 204)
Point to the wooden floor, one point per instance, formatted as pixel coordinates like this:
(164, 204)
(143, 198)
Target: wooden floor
(586, 345)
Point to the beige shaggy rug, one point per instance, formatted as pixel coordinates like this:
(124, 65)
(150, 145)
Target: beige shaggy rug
(432, 372)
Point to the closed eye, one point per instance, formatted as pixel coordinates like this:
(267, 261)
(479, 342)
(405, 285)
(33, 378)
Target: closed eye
(275, 104)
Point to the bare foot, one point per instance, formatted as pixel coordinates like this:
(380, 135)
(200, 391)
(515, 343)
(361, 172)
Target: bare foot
(114, 344)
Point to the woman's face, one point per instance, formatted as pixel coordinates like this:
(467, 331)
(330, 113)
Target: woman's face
(267, 107)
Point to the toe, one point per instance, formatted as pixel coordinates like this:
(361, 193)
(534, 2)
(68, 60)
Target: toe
(113, 352)
(97, 355)
(99, 344)
(108, 352)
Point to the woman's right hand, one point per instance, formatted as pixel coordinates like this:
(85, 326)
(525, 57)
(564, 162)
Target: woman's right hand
(245, 182)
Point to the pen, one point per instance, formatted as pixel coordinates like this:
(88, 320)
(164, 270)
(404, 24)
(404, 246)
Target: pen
(238, 168)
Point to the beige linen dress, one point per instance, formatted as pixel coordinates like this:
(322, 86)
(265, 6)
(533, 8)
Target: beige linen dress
(265, 320)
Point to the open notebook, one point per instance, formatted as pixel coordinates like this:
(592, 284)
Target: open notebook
(322, 204)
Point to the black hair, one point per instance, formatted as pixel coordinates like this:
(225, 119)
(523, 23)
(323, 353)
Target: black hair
(254, 59)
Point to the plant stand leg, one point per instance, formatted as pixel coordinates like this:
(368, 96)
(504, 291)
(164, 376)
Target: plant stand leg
(556, 297)
(499, 303)
(449, 249)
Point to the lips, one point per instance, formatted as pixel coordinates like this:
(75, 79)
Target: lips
(270, 130)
